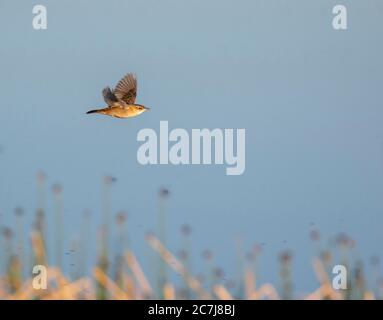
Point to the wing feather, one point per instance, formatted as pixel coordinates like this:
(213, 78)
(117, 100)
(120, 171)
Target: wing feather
(109, 97)
(126, 89)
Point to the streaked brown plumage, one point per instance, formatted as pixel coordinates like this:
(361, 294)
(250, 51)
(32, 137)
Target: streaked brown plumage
(121, 102)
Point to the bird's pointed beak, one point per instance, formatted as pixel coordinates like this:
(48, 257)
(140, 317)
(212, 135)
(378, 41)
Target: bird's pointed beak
(147, 109)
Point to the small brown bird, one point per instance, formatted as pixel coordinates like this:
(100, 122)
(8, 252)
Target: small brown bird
(121, 100)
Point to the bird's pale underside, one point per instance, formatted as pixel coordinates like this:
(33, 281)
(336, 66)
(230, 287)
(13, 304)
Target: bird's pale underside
(121, 101)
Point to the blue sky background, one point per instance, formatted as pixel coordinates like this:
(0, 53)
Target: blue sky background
(309, 97)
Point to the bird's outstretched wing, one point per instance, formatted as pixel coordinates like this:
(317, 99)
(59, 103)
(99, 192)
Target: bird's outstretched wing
(109, 97)
(126, 89)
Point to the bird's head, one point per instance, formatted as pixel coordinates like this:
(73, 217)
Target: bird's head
(140, 108)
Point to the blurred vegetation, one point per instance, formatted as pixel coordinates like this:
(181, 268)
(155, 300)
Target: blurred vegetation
(119, 275)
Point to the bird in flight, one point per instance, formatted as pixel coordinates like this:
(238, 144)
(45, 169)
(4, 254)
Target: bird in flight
(121, 102)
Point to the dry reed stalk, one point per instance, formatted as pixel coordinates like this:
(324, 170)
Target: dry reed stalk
(326, 289)
(368, 295)
(63, 285)
(133, 290)
(169, 292)
(40, 180)
(266, 290)
(162, 276)
(320, 271)
(59, 223)
(239, 256)
(88, 291)
(330, 292)
(221, 292)
(19, 212)
(110, 285)
(25, 292)
(317, 294)
(71, 291)
(85, 224)
(178, 267)
(3, 292)
(107, 183)
(249, 280)
(38, 247)
(129, 286)
(138, 273)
